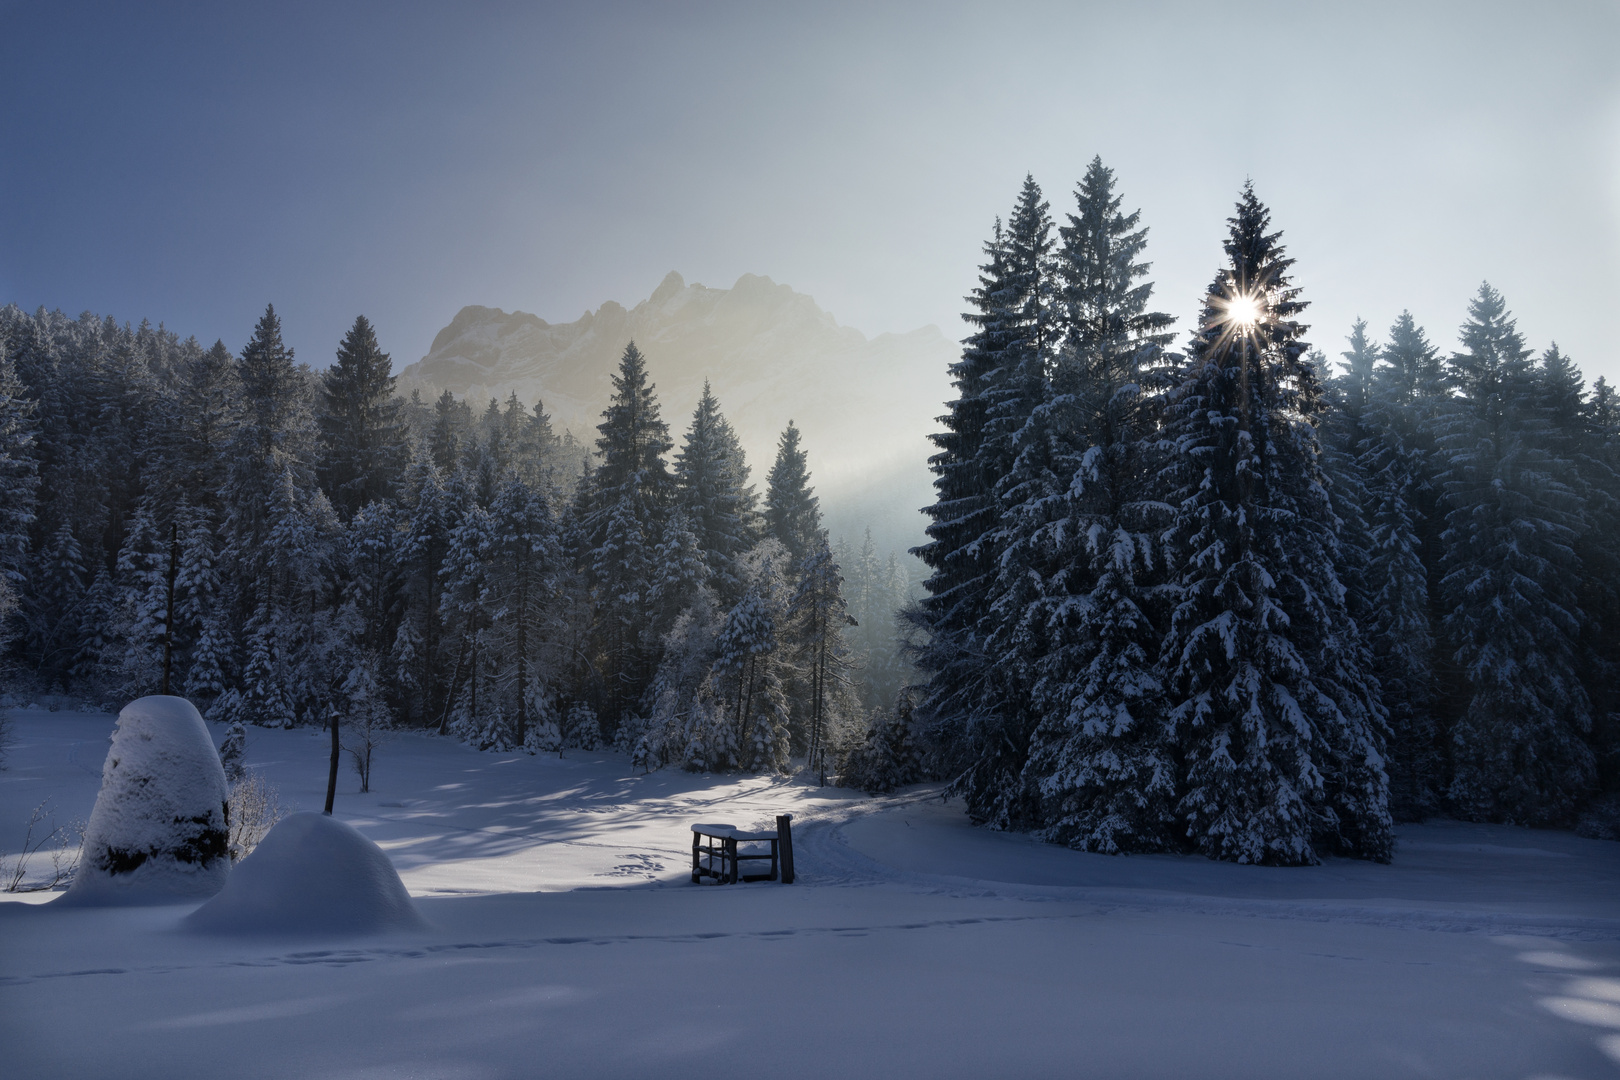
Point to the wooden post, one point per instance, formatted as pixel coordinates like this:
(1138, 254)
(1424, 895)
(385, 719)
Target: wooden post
(331, 775)
(696, 843)
(784, 837)
(730, 846)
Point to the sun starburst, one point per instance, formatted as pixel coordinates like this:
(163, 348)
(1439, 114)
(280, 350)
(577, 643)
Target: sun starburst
(1243, 311)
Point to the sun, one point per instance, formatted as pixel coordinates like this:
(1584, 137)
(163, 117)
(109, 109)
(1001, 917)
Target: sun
(1243, 311)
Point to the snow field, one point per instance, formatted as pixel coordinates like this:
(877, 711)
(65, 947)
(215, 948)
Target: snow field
(565, 940)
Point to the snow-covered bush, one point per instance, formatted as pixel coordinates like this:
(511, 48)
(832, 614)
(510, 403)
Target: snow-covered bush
(581, 728)
(311, 874)
(159, 831)
(888, 757)
(543, 735)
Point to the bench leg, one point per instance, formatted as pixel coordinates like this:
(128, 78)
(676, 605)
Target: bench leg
(695, 874)
(731, 857)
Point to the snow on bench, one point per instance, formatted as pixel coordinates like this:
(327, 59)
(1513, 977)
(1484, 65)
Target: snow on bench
(714, 844)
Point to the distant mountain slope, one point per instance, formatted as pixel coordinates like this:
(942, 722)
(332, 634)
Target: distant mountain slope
(771, 354)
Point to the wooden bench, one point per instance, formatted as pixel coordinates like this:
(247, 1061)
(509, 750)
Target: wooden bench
(715, 852)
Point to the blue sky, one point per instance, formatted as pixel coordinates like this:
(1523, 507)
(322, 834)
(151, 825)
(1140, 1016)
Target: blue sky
(189, 163)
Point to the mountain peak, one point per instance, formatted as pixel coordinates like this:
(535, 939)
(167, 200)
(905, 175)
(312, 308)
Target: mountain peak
(768, 352)
(672, 284)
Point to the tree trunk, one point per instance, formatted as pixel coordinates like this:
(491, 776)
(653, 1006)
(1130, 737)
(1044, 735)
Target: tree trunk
(331, 773)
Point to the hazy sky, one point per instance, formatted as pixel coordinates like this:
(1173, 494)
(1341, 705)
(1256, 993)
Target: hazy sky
(189, 163)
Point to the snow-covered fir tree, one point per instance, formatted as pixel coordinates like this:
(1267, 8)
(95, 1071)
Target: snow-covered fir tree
(792, 511)
(748, 675)
(623, 512)
(1100, 764)
(1275, 718)
(951, 653)
(362, 434)
(1024, 452)
(711, 477)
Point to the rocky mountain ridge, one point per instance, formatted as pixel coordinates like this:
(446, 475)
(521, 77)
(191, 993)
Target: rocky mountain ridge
(771, 354)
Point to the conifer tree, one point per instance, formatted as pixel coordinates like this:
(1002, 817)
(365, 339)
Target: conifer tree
(1347, 438)
(1099, 759)
(522, 567)
(679, 571)
(371, 573)
(1397, 468)
(964, 511)
(622, 568)
(748, 676)
(1274, 718)
(711, 476)
(271, 447)
(449, 423)
(626, 503)
(54, 606)
(817, 616)
(466, 611)
(420, 554)
(632, 445)
(1022, 451)
(361, 430)
(792, 511)
(1511, 585)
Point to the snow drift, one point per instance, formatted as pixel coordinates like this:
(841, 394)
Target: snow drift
(311, 874)
(158, 833)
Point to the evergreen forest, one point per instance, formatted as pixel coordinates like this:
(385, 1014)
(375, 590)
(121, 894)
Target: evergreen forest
(1245, 601)
(285, 546)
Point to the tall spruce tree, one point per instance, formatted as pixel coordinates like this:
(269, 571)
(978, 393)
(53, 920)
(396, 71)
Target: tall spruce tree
(1100, 761)
(630, 495)
(362, 432)
(711, 476)
(1022, 452)
(962, 565)
(1511, 585)
(792, 511)
(977, 719)
(1275, 719)
(273, 444)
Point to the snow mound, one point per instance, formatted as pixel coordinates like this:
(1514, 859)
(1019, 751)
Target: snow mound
(311, 874)
(158, 833)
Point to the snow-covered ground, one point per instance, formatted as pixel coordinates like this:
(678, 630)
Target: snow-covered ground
(567, 941)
